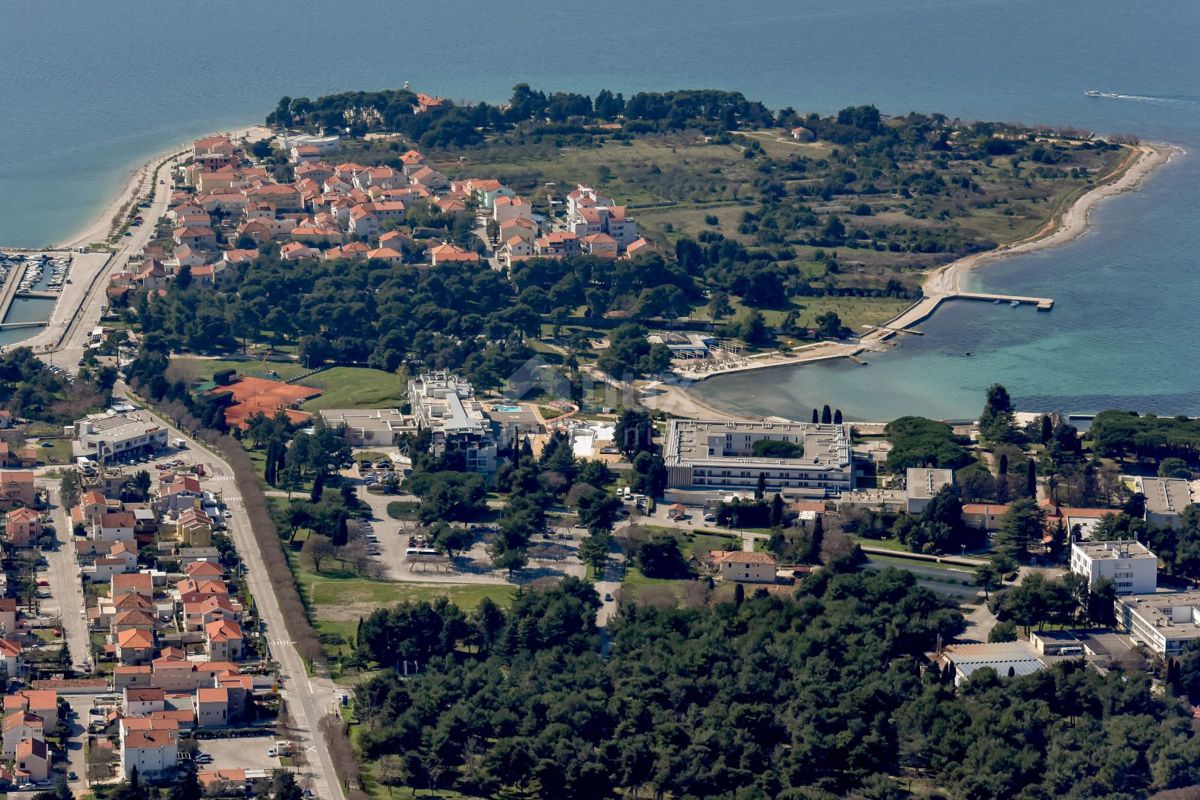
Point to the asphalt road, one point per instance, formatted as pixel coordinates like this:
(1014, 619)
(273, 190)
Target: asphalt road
(63, 574)
(308, 699)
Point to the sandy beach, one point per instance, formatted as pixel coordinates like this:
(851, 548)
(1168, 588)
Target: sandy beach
(941, 284)
(78, 307)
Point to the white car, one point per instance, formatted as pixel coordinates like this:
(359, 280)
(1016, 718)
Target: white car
(228, 514)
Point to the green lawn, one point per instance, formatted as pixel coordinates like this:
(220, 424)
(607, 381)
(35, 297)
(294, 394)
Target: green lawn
(191, 368)
(356, 387)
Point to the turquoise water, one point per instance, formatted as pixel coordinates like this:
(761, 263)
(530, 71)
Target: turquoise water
(90, 89)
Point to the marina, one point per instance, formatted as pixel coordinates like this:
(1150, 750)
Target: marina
(28, 280)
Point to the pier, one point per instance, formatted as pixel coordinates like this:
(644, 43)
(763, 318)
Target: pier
(1042, 303)
(10, 288)
(12, 326)
(44, 294)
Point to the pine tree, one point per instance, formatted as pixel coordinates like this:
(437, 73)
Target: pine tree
(837, 417)
(816, 418)
(1031, 478)
(1047, 428)
(760, 489)
(826, 414)
(776, 511)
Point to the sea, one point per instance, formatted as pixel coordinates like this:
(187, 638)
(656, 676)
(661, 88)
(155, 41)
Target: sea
(90, 90)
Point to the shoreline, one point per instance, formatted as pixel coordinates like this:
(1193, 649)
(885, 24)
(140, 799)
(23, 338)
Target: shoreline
(76, 307)
(940, 285)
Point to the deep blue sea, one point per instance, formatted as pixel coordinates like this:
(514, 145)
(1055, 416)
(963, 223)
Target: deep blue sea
(88, 90)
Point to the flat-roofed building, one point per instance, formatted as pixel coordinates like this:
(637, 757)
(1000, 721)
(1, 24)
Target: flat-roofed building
(446, 406)
(922, 485)
(1164, 622)
(1130, 565)
(1166, 498)
(1008, 659)
(368, 427)
(113, 436)
(712, 455)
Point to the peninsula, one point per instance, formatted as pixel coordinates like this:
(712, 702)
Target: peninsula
(389, 357)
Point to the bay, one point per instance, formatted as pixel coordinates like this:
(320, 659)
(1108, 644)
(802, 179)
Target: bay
(88, 90)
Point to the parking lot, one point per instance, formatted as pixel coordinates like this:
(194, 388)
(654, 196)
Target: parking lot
(242, 753)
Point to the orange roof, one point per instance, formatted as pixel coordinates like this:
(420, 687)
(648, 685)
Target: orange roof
(149, 740)
(204, 569)
(212, 695)
(223, 630)
(22, 515)
(135, 638)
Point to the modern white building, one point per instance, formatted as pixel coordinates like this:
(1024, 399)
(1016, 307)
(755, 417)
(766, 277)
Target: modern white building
(1131, 567)
(1164, 622)
(371, 427)
(446, 406)
(1008, 659)
(922, 484)
(722, 457)
(108, 436)
(1166, 498)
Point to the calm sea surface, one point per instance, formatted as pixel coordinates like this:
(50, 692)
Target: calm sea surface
(88, 90)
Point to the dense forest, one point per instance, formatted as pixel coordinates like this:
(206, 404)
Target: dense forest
(823, 695)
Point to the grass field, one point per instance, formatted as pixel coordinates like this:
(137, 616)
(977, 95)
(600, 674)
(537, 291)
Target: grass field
(356, 387)
(190, 368)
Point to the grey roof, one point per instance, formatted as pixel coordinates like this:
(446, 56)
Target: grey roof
(922, 483)
(1166, 495)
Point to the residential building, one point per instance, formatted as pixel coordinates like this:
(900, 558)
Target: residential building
(445, 253)
(1163, 622)
(43, 702)
(745, 567)
(1166, 498)
(715, 456)
(211, 706)
(135, 646)
(12, 655)
(16, 488)
(446, 406)
(19, 726)
(225, 640)
(153, 752)
(8, 616)
(23, 527)
(923, 484)
(32, 760)
(142, 701)
(1131, 567)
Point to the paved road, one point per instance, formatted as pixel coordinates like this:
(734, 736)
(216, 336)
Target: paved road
(63, 573)
(308, 699)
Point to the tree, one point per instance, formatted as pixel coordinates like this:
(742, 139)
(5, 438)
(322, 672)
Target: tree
(837, 416)
(318, 548)
(1021, 528)
(1031, 478)
(776, 511)
(594, 550)
(826, 415)
(661, 558)
(634, 432)
(816, 419)
(187, 783)
(760, 488)
(996, 421)
(1047, 428)
(284, 787)
(988, 578)
(142, 484)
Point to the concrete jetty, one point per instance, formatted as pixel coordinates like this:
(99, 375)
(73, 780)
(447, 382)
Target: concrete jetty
(9, 291)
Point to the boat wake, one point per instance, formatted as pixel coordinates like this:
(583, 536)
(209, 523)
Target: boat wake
(1146, 98)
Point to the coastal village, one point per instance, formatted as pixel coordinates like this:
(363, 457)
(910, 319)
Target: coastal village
(143, 633)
